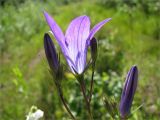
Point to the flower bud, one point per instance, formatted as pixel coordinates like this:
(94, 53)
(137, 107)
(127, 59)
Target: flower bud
(93, 44)
(128, 92)
(51, 54)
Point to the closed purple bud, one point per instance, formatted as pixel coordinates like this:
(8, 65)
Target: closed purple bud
(128, 92)
(93, 44)
(51, 54)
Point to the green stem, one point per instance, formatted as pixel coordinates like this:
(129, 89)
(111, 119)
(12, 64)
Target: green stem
(92, 82)
(64, 103)
(82, 86)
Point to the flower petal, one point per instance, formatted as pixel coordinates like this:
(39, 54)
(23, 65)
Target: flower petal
(56, 30)
(76, 37)
(97, 27)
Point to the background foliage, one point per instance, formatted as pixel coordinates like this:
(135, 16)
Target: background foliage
(132, 37)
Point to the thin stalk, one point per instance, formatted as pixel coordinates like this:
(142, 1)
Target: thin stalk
(82, 86)
(92, 82)
(64, 103)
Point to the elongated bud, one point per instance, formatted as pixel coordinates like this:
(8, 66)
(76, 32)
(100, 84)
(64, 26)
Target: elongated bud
(128, 92)
(51, 54)
(93, 44)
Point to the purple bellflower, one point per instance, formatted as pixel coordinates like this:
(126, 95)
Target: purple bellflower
(128, 92)
(74, 44)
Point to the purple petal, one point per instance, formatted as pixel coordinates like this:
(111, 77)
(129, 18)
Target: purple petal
(56, 30)
(76, 37)
(97, 27)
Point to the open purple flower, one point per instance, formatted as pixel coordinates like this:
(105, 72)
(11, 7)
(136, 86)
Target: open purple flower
(128, 92)
(75, 42)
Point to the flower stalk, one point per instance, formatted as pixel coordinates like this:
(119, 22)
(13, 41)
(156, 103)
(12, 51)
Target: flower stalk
(80, 79)
(64, 102)
(55, 68)
(93, 44)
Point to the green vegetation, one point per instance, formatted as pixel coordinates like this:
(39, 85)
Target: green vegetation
(131, 37)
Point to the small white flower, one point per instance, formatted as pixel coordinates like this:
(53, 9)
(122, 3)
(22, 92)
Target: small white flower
(36, 115)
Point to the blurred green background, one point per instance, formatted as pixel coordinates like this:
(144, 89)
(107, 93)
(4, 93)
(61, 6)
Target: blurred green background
(131, 37)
